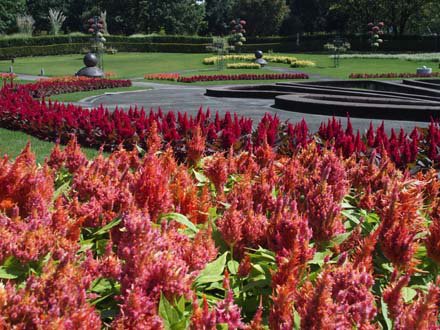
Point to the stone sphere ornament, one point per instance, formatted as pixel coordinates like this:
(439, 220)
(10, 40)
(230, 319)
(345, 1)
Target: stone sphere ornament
(259, 54)
(259, 58)
(90, 60)
(90, 70)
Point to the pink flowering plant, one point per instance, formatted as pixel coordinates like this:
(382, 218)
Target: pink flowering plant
(251, 238)
(192, 137)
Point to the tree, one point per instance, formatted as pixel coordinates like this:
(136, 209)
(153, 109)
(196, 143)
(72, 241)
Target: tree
(9, 9)
(264, 17)
(218, 15)
(401, 12)
(39, 10)
(172, 16)
(398, 15)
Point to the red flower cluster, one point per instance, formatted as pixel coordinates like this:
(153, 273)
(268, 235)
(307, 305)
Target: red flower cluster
(163, 76)
(52, 86)
(246, 239)
(243, 76)
(391, 75)
(100, 127)
(224, 77)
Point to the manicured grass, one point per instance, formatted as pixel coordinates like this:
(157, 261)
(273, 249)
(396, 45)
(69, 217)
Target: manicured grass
(13, 142)
(135, 65)
(75, 97)
(125, 65)
(325, 66)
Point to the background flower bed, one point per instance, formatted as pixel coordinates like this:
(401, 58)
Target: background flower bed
(392, 75)
(242, 76)
(100, 127)
(432, 57)
(243, 66)
(62, 85)
(292, 61)
(233, 239)
(225, 77)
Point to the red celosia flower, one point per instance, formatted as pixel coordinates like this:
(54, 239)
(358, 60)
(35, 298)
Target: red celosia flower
(401, 222)
(202, 319)
(226, 310)
(196, 146)
(151, 188)
(341, 298)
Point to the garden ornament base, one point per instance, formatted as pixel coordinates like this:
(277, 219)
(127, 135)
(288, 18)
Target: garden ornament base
(90, 70)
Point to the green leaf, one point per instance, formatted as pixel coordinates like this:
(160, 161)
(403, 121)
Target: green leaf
(101, 286)
(213, 271)
(6, 274)
(258, 268)
(86, 245)
(140, 150)
(209, 279)
(172, 318)
(346, 206)
(61, 191)
(183, 220)
(167, 312)
(200, 177)
(296, 320)
(350, 215)
(408, 294)
(107, 227)
(318, 258)
(222, 326)
(233, 267)
(340, 238)
(388, 322)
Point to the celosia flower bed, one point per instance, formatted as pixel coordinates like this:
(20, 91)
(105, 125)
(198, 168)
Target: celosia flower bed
(100, 127)
(7, 77)
(61, 85)
(243, 76)
(391, 75)
(163, 76)
(226, 77)
(235, 240)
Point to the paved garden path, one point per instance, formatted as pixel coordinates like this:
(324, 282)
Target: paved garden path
(191, 98)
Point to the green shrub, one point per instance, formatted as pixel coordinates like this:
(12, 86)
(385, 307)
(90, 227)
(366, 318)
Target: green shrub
(63, 44)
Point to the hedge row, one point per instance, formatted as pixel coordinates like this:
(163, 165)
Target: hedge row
(58, 45)
(61, 49)
(66, 39)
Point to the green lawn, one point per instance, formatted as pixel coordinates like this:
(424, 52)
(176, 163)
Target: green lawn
(326, 68)
(135, 65)
(75, 97)
(125, 65)
(13, 142)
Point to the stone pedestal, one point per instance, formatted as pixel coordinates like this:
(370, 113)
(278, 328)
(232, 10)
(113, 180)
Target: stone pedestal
(259, 58)
(90, 70)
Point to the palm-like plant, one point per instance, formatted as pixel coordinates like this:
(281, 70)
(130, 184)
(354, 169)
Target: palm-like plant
(56, 19)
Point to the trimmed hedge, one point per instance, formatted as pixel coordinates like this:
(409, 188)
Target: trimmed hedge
(59, 45)
(63, 49)
(65, 39)
(58, 49)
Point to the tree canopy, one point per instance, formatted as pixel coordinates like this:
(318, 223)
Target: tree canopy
(212, 17)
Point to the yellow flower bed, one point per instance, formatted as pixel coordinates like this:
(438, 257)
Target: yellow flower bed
(214, 59)
(249, 57)
(243, 66)
(303, 64)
